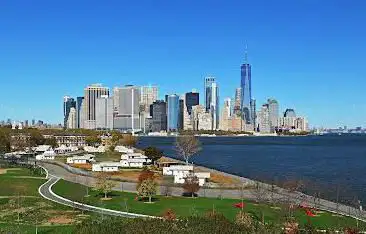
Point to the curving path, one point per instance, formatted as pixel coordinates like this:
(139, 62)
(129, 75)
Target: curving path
(45, 190)
(281, 194)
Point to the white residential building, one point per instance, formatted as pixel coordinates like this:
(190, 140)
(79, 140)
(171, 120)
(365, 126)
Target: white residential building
(106, 166)
(84, 159)
(42, 148)
(180, 172)
(123, 149)
(91, 149)
(65, 149)
(134, 160)
(46, 155)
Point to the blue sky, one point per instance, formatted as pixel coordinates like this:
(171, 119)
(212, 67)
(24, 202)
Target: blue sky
(308, 54)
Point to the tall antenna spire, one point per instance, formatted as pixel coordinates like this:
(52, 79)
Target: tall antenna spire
(246, 54)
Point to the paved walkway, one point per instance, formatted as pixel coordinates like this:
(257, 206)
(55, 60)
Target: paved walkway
(45, 190)
(279, 195)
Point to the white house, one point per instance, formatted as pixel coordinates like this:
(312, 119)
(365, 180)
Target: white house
(134, 160)
(65, 149)
(106, 166)
(42, 148)
(123, 149)
(87, 158)
(180, 172)
(47, 155)
(91, 149)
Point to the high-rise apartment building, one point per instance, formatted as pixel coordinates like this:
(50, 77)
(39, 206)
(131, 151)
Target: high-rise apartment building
(264, 119)
(68, 104)
(208, 91)
(159, 116)
(127, 113)
(246, 92)
(181, 114)
(104, 112)
(237, 102)
(71, 119)
(212, 100)
(79, 103)
(149, 94)
(91, 93)
(191, 99)
(226, 115)
(273, 114)
(173, 112)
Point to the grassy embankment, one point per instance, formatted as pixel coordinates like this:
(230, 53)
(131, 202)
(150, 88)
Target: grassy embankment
(184, 207)
(22, 208)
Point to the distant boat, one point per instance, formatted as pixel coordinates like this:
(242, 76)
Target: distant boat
(339, 134)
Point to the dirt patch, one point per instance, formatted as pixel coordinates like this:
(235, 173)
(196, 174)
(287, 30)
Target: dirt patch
(86, 166)
(106, 199)
(5, 170)
(62, 219)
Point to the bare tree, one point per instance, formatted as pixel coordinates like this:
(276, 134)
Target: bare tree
(187, 146)
(191, 185)
(103, 184)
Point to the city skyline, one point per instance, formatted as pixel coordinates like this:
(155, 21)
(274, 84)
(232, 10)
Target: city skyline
(293, 50)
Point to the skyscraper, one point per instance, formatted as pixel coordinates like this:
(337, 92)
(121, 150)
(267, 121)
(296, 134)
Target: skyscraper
(173, 112)
(68, 104)
(127, 117)
(91, 93)
(181, 114)
(149, 94)
(104, 112)
(226, 115)
(159, 116)
(273, 114)
(212, 100)
(263, 119)
(208, 91)
(246, 91)
(71, 119)
(192, 99)
(237, 102)
(79, 103)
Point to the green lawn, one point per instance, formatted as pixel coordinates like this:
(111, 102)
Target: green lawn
(30, 229)
(194, 206)
(19, 196)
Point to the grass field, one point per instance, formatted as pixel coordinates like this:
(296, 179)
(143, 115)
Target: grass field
(21, 205)
(196, 206)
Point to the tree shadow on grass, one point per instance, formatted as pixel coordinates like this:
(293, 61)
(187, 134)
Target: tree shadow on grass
(188, 194)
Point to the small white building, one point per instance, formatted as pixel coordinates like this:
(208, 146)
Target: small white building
(106, 166)
(42, 148)
(134, 160)
(123, 149)
(180, 172)
(91, 149)
(47, 155)
(84, 159)
(65, 149)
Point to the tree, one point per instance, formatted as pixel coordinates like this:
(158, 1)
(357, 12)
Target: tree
(153, 153)
(147, 188)
(191, 185)
(129, 140)
(187, 146)
(93, 140)
(36, 138)
(4, 142)
(104, 185)
(145, 175)
(51, 141)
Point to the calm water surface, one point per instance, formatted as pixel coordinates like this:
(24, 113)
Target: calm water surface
(324, 162)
